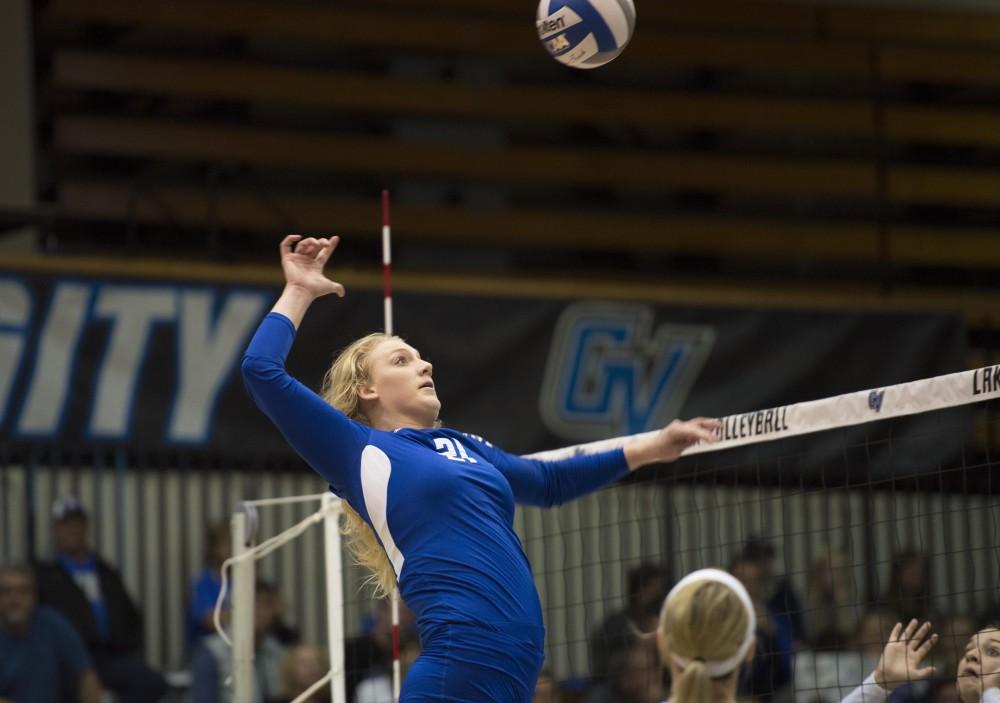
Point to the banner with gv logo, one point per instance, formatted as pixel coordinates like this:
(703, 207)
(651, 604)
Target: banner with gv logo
(155, 365)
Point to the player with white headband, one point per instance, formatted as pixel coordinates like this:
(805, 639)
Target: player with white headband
(708, 629)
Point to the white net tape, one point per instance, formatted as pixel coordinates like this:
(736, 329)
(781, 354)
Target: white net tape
(856, 408)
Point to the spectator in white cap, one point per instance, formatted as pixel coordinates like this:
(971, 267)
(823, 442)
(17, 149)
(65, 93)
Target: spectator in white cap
(707, 631)
(90, 593)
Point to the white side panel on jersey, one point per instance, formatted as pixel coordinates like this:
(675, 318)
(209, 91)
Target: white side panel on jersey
(375, 472)
(582, 51)
(614, 16)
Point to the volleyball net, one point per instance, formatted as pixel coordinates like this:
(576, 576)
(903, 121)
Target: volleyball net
(841, 515)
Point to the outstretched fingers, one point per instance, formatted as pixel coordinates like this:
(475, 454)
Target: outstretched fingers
(896, 631)
(326, 248)
(286, 244)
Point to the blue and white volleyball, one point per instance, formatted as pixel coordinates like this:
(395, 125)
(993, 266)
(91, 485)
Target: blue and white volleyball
(585, 33)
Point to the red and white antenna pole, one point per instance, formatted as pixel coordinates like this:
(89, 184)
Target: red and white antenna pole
(387, 262)
(387, 308)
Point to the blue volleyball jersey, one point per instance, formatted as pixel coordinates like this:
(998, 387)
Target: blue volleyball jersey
(440, 501)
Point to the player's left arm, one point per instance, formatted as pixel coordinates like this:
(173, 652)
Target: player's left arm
(548, 483)
(668, 444)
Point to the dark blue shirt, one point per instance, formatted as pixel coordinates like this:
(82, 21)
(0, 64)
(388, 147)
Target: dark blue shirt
(87, 579)
(49, 660)
(204, 593)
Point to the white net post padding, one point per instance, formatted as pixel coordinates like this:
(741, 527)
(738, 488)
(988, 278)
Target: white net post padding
(335, 595)
(241, 616)
(243, 525)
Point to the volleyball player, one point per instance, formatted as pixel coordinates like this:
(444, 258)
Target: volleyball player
(708, 630)
(440, 502)
(979, 669)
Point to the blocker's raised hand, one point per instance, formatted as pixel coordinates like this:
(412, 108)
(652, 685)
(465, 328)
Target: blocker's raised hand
(906, 648)
(303, 264)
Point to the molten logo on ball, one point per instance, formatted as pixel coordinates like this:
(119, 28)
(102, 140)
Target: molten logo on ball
(585, 33)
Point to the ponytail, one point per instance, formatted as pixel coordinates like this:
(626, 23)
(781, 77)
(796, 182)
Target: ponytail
(694, 685)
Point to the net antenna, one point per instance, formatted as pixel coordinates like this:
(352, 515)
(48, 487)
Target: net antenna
(387, 311)
(246, 552)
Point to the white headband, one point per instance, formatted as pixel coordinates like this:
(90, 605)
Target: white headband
(713, 668)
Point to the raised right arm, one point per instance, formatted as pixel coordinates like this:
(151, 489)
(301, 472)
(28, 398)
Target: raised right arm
(322, 435)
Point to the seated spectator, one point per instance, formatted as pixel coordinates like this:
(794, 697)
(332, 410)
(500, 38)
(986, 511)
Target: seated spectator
(377, 686)
(647, 584)
(770, 671)
(956, 631)
(978, 676)
(908, 593)
(304, 665)
(872, 631)
(90, 593)
(832, 614)
(211, 663)
(634, 675)
(42, 658)
(281, 630)
(546, 690)
(777, 591)
(708, 633)
(207, 584)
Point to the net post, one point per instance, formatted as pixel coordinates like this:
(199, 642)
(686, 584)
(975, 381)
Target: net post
(335, 596)
(242, 526)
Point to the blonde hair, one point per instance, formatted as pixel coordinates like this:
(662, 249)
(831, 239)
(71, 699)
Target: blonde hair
(703, 621)
(351, 369)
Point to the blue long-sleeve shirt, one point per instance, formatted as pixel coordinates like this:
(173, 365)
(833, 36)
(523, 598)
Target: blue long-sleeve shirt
(441, 502)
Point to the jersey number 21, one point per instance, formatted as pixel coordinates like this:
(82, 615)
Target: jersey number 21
(452, 449)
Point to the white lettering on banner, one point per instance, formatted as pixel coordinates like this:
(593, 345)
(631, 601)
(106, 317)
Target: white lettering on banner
(46, 395)
(15, 312)
(212, 329)
(134, 310)
(207, 354)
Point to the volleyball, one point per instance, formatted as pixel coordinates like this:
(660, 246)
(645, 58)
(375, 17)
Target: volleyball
(585, 33)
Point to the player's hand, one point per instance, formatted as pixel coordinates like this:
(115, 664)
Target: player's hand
(303, 265)
(668, 443)
(900, 660)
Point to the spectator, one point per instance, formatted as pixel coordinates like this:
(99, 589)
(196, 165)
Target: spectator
(832, 601)
(872, 631)
(377, 687)
(647, 586)
(304, 665)
(42, 659)
(211, 661)
(908, 593)
(90, 593)
(207, 584)
(280, 630)
(634, 675)
(955, 633)
(770, 670)
(777, 592)
(546, 690)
